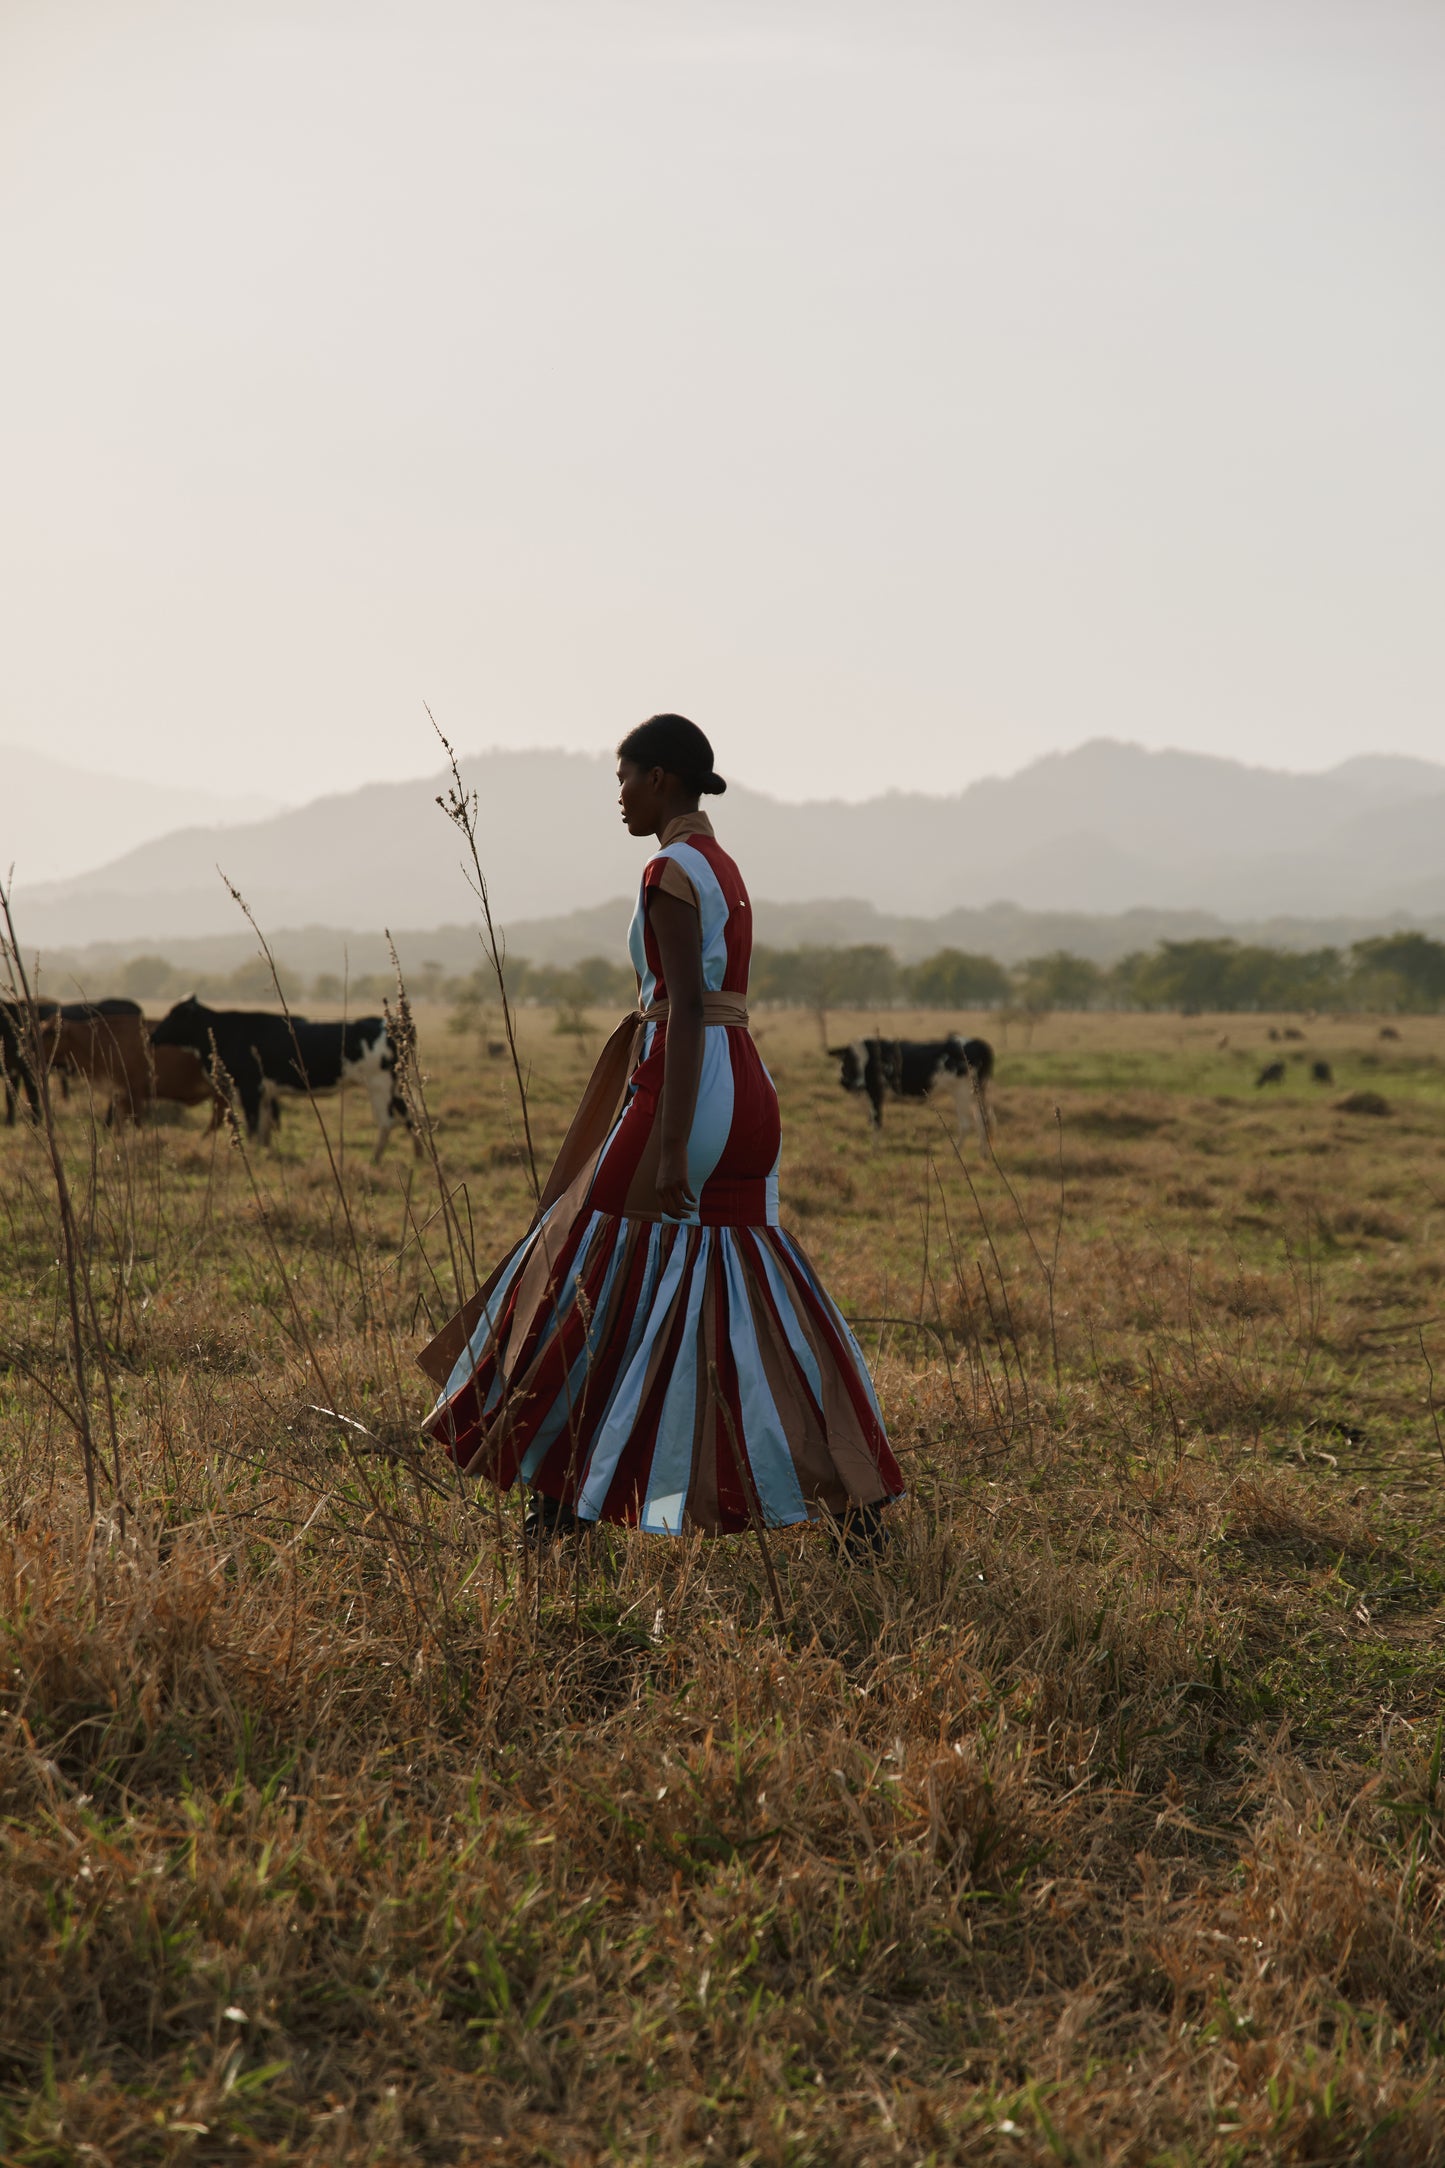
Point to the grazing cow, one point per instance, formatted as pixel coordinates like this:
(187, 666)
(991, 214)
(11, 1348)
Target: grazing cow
(1272, 1073)
(910, 1068)
(174, 1074)
(106, 1043)
(66, 1061)
(1388, 1031)
(1289, 1032)
(16, 1063)
(262, 1054)
(1321, 1072)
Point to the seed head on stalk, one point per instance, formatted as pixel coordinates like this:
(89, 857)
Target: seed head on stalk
(460, 807)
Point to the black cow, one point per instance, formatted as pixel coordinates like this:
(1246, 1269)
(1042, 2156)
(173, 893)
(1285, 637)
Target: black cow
(16, 1061)
(1271, 1073)
(83, 1012)
(910, 1068)
(17, 1055)
(264, 1054)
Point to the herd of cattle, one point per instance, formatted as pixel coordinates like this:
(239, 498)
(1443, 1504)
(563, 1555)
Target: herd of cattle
(246, 1058)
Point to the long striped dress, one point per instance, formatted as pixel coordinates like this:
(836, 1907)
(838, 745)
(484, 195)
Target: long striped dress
(625, 1363)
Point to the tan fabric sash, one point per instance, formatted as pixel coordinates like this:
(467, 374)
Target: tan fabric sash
(576, 1162)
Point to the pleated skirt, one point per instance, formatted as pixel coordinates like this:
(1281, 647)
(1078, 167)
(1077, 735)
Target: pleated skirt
(663, 1368)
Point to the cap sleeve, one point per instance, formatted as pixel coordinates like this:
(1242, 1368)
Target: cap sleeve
(665, 875)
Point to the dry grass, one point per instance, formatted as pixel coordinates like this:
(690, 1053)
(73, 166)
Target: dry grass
(1101, 1822)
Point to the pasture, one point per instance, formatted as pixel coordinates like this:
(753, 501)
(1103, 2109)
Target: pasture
(1101, 1821)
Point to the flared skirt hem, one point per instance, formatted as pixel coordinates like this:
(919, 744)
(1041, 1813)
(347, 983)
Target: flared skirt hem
(669, 1377)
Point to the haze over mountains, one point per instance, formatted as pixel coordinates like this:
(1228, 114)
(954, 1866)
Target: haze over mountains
(1106, 828)
(57, 820)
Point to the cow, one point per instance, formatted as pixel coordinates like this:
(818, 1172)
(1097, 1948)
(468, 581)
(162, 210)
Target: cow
(261, 1054)
(1271, 1073)
(173, 1074)
(1321, 1072)
(108, 1043)
(18, 1063)
(84, 1014)
(910, 1068)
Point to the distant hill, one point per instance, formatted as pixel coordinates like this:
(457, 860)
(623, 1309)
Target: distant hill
(55, 819)
(1105, 829)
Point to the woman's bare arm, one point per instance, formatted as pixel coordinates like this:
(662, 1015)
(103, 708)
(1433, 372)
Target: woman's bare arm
(678, 934)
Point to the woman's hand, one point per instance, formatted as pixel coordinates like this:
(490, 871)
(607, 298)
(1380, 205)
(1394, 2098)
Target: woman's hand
(673, 1195)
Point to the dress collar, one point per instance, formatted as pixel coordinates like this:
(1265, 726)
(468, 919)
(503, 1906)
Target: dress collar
(686, 824)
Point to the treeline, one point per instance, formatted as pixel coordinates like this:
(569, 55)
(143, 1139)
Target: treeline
(1392, 973)
(1396, 972)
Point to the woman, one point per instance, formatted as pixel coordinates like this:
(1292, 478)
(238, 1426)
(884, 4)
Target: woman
(656, 1341)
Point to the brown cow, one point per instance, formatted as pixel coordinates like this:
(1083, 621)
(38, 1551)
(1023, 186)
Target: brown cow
(116, 1050)
(173, 1073)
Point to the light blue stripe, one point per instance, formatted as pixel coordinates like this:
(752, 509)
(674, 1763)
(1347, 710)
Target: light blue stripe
(765, 1439)
(658, 1290)
(712, 911)
(671, 1467)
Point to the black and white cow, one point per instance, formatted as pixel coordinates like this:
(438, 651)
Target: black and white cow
(910, 1069)
(263, 1054)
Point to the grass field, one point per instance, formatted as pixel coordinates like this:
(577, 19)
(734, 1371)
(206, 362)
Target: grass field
(1101, 1821)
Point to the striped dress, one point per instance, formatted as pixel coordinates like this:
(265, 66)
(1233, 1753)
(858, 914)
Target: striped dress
(644, 1369)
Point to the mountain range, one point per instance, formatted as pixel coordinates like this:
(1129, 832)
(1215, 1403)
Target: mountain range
(57, 819)
(1107, 828)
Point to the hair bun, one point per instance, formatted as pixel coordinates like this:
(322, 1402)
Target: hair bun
(678, 747)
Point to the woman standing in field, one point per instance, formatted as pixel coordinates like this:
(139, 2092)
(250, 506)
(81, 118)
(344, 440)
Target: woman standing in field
(656, 1341)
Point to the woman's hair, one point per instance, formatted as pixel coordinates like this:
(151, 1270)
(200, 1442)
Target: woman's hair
(677, 746)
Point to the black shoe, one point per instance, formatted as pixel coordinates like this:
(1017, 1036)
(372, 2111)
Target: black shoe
(859, 1535)
(546, 1519)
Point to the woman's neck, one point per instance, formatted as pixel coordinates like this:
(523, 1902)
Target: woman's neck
(683, 810)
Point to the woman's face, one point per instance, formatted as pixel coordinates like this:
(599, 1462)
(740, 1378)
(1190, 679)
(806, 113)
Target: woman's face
(640, 794)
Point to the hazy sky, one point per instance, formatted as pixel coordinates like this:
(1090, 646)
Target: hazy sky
(902, 390)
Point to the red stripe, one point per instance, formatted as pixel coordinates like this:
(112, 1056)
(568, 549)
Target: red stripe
(555, 1474)
(738, 932)
(727, 1446)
